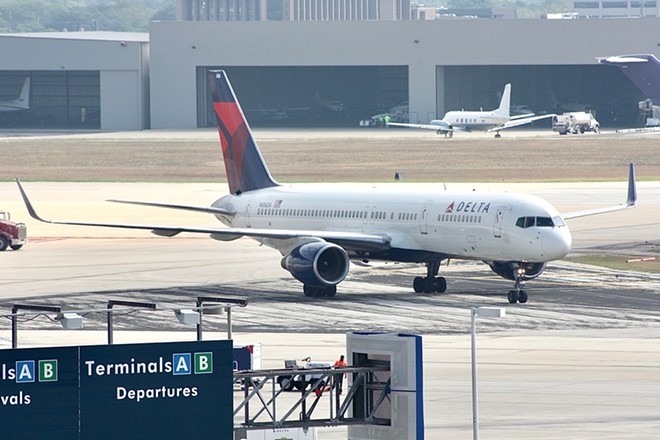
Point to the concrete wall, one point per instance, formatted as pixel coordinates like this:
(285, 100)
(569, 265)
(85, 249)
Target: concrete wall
(177, 48)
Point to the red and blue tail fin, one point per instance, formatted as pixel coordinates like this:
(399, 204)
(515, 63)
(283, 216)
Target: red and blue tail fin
(246, 169)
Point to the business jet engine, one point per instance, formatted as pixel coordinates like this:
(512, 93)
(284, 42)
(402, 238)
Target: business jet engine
(319, 265)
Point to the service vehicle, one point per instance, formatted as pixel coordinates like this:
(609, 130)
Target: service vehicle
(13, 235)
(246, 358)
(298, 379)
(575, 122)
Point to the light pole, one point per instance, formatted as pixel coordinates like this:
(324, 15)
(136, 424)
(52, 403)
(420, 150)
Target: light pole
(14, 317)
(227, 303)
(119, 302)
(484, 312)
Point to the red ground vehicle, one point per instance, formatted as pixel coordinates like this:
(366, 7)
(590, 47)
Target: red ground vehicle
(13, 235)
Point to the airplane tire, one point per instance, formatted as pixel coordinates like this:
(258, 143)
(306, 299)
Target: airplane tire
(522, 297)
(418, 284)
(513, 296)
(331, 290)
(440, 285)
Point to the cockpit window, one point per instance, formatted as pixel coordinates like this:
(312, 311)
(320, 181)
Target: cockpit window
(544, 222)
(541, 222)
(526, 222)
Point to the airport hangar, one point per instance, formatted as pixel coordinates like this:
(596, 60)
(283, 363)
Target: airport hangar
(79, 80)
(127, 81)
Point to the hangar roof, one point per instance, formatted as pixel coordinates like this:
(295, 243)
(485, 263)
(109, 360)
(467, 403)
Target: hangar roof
(137, 37)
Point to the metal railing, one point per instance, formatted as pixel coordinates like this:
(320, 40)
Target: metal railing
(318, 399)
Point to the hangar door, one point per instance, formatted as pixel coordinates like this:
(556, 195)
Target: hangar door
(68, 99)
(310, 96)
(540, 89)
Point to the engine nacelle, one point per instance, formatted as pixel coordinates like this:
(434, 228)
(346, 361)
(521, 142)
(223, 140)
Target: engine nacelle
(317, 264)
(508, 269)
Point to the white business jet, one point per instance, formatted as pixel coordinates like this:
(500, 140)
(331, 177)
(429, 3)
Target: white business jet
(468, 120)
(318, 229)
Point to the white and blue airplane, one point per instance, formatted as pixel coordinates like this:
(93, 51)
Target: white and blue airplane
(319, 229)
(467, 120)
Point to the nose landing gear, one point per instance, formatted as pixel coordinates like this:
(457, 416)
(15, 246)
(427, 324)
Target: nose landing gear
(518, 294)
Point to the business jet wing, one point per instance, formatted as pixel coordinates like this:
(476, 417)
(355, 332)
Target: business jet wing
(439, 125)
(631, 200)
(348, 240)
(521, 121)
(522, 116)
(424, 126)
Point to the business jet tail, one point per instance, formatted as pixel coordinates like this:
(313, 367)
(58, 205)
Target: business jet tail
(246, 168)
(22, 102)
(23, 99)
(505, 103)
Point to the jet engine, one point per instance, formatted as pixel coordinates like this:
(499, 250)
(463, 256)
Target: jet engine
(317, 264)
(509, 269)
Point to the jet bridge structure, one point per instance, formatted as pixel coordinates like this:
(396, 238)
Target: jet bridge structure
(381, 397)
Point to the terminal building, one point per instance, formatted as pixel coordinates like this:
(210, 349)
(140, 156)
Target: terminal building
(321, 73)
(616, 8)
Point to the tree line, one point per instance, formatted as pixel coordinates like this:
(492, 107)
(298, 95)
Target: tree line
(82, 15)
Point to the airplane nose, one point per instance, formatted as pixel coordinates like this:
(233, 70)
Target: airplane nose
(557, 245)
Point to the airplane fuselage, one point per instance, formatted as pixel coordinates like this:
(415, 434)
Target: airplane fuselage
(422, 225)
(475, 120)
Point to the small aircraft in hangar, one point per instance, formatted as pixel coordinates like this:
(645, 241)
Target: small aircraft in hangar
(22, 102)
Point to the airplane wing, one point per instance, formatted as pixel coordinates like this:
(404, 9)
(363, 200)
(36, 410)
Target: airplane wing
(631, 200)
(348, 240)
(526, 115)
(424, 126)
(208, 210)
(521, 121)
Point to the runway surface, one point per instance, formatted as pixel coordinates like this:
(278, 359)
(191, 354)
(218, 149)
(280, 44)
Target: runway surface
(580, 360)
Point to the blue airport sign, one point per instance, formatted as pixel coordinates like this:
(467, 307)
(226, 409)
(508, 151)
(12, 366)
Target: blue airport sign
(145, 391)
(171, 390)
(39, 393)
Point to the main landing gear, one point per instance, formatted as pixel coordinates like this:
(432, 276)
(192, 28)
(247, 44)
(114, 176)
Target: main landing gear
(319, 291)
(518, 294)
(431, 283)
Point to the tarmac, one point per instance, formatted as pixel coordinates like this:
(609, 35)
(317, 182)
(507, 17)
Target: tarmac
(580, 360)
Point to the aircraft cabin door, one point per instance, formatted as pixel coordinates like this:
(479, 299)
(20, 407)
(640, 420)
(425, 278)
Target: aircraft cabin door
(497, 223)
(424, 218)
(248, 223)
